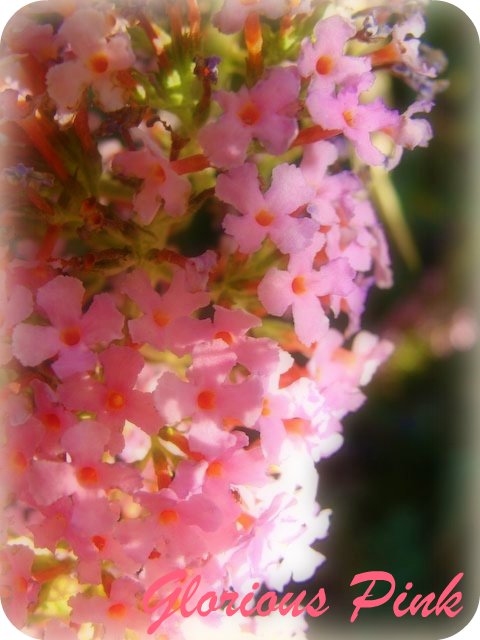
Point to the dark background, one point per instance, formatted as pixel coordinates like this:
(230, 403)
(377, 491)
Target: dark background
(401, 487)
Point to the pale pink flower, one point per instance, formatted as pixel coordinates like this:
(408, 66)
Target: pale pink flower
(357, 121)
(206, 394)
(93, 59)
(301, 286)
(119, 611)
(266, 112)
(162, 188)
(266, 214)
(324, 58)
(166, 322)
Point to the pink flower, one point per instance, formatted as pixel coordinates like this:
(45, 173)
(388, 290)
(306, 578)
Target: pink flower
(324, 60)
(266, 214)
(317, 157)
(266, 112)
(300, 288)
(19, 589)
(162, 188)
(55, 419)
(233, 13)
(16, 304)
(259, 355)
(411, 132)
(116, 613)
(357, 121)
(71, 335)
(340, 372)
(206, 395)
(95, 57)
(115, 400)
(166, 322)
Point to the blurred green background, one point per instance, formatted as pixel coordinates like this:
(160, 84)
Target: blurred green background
(401, 486)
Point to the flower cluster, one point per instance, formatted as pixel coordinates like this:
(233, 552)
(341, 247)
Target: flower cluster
(185, 273)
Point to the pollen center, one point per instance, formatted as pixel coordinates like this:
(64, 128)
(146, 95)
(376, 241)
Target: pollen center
(98, 63)
(206, 400)
(161, 318)
(264, 218)
(19, 461)
(70, 336)
(168, 516)
(226, 336)
(215, 469)
(22, 584)
(266, 411)
(51, 421)
(115, 400)
(117, 611)
(299, 285)
(348, 117)
(99, 542)
(87, 476)
(324, 65)
(249, 114)
(158, 173)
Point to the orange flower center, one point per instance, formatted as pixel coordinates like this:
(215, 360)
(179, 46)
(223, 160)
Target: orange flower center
(158, 173)
(87, 476)
(226, 336)
(348, 117)
(19, 461)
(264, 218)
(345, 357)
(295, 426)
(249, 114)
(99, 542)
(115, 400)
(22, 584)
(215, 469)
(206, 400)
(160, 318)
(168, 516)
(324, 65)
(246, 521)
(117, 611)
(70, 336)
(299, 285)
(266, 411)
(98, 63)
(51, 421)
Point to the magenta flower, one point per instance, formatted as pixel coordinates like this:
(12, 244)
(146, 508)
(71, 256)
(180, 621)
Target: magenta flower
(266, 214)
(324, 58)
(71, 335)
(265, 113)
